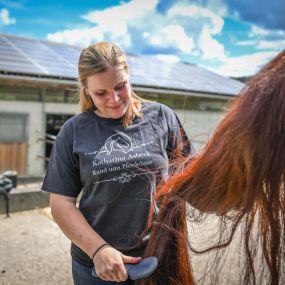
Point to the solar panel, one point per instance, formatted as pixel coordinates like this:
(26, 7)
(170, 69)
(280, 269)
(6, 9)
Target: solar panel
(181, 76)
(46, 58)
(67, 53)
(31, 56)
(14, 61)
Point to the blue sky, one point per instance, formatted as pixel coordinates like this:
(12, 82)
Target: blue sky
(230, 37)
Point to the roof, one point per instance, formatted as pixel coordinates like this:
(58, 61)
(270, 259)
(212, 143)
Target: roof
(40, 58)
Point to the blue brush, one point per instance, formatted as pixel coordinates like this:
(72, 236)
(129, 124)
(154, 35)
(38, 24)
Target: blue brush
(139, 270)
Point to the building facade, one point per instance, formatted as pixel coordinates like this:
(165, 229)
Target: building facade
(38, 92)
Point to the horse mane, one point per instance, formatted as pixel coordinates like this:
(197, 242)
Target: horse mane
(238, 174)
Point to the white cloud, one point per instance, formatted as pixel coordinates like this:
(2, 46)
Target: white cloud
(246, 43)
(5, 19)
(258, 31)
(261, 43)
(80, 37)
(245, 65)
(262, 33)
(218, 6)
(168, 58)
(263, 39)
(156, 40)
(110, 24)
(171, 36)
(124, 12)
(137, 25)
(113, 22)
(272, 45)
(86, 36)
(175, 35)
(214, 22)
(210, 47)
(146, 35)
(209, 24)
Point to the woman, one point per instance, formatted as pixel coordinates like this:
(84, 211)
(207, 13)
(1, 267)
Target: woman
(116, 151)
(239, 176)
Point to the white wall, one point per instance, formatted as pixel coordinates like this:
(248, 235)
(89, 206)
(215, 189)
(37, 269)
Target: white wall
(36, 127)
(35, 130)
(199, 125)
(61, 108)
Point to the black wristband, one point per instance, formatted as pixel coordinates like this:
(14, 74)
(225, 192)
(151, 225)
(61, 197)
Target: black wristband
(96, 251)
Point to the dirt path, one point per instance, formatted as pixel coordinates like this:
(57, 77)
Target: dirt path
(33, 250)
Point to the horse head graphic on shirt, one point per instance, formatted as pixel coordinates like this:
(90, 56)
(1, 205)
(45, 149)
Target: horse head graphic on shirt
(119, 143)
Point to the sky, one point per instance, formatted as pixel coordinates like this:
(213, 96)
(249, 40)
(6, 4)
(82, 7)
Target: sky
(230, 37)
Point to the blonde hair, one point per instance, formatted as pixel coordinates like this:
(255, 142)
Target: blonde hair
(99, 58)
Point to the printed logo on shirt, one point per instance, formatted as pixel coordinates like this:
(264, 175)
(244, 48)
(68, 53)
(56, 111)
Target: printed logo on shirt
(121, 154)
(119, 142)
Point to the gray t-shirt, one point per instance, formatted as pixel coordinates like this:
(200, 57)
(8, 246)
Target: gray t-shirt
(116, 168)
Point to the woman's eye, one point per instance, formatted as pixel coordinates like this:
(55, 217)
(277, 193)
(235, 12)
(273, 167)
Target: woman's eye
(100, 93)
(120, 86)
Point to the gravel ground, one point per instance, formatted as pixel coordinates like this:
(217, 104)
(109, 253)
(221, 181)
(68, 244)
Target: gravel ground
(33, 251)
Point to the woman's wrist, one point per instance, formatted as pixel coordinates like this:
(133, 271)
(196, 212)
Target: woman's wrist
(98, 249)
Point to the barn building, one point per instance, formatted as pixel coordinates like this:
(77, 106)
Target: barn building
(38, 92)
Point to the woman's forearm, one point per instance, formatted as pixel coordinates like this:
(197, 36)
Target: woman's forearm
(73, 224)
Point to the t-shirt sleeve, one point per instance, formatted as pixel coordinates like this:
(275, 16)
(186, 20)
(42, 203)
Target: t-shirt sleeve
(63, 175)
(177, 139)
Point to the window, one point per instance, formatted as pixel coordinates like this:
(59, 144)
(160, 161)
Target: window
(13, 127)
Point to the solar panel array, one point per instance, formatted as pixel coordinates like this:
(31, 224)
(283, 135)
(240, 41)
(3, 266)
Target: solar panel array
(26, 56)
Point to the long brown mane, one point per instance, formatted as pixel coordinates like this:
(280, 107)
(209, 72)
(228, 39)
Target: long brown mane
(239, 173)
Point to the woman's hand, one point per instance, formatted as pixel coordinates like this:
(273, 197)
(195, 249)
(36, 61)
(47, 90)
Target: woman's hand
(109, 264)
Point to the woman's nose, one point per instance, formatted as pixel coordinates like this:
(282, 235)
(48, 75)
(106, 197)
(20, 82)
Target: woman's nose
(115, 96)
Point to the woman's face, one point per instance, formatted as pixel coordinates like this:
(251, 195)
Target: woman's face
(110, 92)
